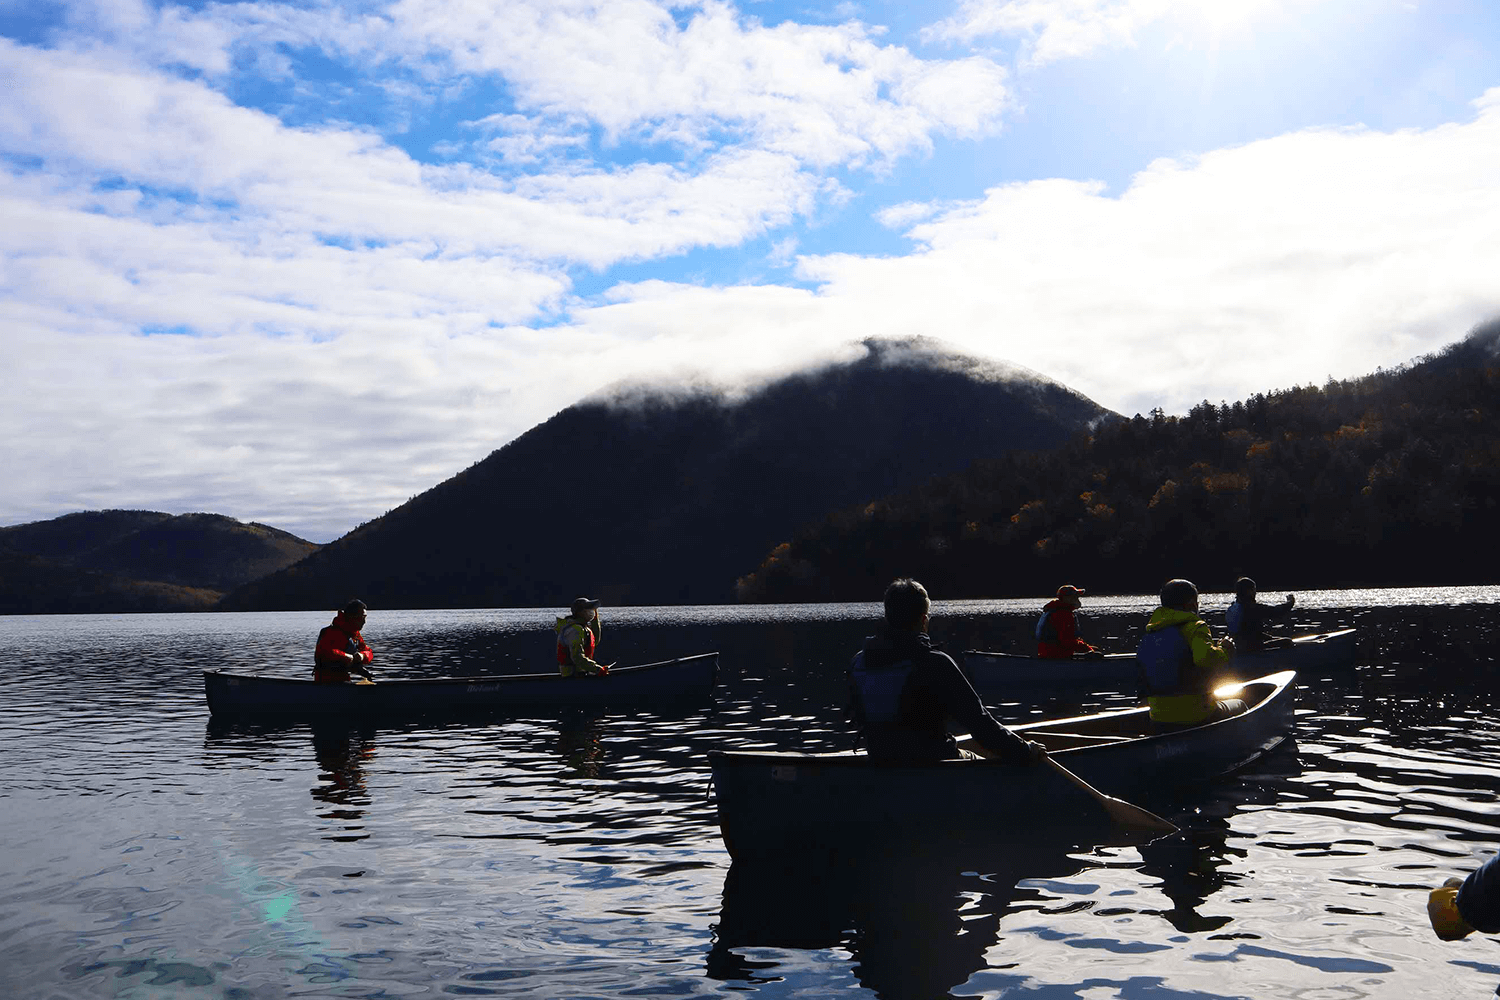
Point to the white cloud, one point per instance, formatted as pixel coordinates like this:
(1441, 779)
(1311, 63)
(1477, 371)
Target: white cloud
(1052, 30)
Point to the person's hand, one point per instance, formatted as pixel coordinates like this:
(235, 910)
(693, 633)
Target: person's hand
(1442, 911)
(1291, 600)
(1094, 654)
(1035, 752)
(1228, 644)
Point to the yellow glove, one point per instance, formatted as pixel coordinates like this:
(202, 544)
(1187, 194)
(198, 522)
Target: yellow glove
(1442, 910)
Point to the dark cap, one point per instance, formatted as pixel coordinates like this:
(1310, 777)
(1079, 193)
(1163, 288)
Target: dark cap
(584, 604)
(1068, 590)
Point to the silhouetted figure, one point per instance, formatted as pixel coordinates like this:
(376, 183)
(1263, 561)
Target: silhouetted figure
(1057, 628)
(904, 691)
(1246, 619)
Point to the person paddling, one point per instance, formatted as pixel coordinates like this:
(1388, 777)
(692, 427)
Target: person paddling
(341, 649)
(1180, 661)
(1057, 628)
(577, 637)
(1246, 619)
(904, 691)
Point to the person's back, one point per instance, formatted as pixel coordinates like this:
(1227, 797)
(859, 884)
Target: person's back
(1246, 618)
(1178, 659)
(904, 692)
(897, 680)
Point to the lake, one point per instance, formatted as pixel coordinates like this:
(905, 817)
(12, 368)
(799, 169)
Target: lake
(149, 852)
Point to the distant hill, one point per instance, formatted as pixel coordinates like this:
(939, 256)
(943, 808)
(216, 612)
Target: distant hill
(1390, 479)
(647, 496)
(135, 560)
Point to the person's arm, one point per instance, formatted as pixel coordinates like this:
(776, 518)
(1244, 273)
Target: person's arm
(962, 703)
(362, 655)
(1207, 653)
(1274, 611)
(1479, 898)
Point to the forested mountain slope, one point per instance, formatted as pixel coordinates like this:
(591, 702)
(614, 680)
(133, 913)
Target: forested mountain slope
(1393, 478)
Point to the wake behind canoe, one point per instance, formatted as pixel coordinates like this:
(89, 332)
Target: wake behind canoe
(668, 682)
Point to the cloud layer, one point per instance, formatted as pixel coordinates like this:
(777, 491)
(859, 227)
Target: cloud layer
(300, 262)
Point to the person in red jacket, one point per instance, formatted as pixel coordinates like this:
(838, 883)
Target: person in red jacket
(341, 649)
(1057, 629)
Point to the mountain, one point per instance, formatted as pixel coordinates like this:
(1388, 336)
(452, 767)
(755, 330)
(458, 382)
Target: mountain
(135, 560)
(652, 496)
(1390, 479)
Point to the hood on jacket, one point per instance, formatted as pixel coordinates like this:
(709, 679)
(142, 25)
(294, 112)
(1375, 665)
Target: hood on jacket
(1165, 617)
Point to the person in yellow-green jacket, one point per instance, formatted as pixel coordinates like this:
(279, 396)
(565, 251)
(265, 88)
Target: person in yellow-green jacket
(577, 637)
(1180, 661)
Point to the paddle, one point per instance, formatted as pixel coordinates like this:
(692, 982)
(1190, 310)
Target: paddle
(1122, 812)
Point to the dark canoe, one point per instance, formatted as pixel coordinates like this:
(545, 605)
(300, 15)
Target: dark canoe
(649, 684)
(770, 802)
(999, 675)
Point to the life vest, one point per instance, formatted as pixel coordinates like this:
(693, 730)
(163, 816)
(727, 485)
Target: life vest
(877, 692)
(565, 653)
(1046, 629)
(336, 638)
(1166, 661)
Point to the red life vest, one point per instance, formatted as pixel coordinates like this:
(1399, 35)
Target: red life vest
(565, 655)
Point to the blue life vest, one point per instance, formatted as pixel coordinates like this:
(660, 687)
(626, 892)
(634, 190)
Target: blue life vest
(1166, 661)
(878, 692)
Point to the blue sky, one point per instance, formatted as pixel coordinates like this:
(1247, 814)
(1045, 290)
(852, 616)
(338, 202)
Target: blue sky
(297, 262)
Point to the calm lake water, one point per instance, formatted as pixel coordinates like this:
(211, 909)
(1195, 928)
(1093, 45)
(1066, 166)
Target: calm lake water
(148, 852)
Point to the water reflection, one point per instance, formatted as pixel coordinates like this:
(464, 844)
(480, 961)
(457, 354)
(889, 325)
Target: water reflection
(916, 919)
(579, 744)
(342, 754)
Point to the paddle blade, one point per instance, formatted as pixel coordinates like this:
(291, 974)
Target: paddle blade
(1128, 814)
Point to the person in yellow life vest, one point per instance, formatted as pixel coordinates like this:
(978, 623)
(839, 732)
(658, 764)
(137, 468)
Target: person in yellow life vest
(577, 638)
(1180, 662)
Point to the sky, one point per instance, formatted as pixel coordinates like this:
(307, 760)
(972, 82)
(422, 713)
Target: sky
(299, 262)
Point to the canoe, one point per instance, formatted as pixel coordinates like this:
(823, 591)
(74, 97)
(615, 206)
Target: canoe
(775, 801)
(998, 675)
(648, 684)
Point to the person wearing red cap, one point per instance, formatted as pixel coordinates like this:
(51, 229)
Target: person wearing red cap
(577, 637)
(1057, 628)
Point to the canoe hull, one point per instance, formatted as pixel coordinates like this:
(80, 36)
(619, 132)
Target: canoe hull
(1001, 675)
(772, 802)
(689, 678)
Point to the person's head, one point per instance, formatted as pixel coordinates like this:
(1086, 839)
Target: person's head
(355, 611)
(1244, 589)
(584, 608)
(906, 606)
(1180, 594)
(1070, 595)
